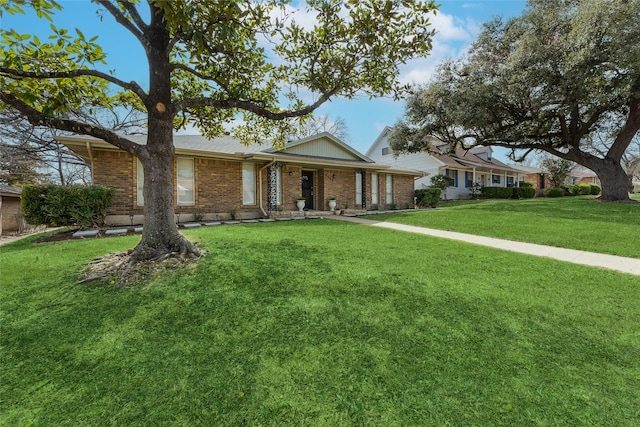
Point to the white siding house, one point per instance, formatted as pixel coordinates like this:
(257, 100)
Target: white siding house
(466, 167)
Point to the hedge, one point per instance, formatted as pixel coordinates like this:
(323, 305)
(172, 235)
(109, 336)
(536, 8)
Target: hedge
(428, 197)
(584, 189)
(554, 192)
(84, 206)
(496, 192)
(523, 192)
(595, 190)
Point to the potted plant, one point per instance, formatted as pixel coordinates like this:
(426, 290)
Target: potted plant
(332, 204)
(300, 202)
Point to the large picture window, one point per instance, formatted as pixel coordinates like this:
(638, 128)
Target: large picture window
(248, 183)
(139, 183)
(279, 186)
(358, 188)
(374, 189)
(186, 182)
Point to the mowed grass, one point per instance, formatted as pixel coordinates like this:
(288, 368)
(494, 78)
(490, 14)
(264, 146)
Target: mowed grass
(318, 323)
(570, 222)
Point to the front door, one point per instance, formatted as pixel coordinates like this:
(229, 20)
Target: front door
(307, 188)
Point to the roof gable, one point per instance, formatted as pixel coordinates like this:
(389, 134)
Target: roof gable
(323, 145)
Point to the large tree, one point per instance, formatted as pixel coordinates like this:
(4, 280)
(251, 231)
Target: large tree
(545, 81)
(208, 62)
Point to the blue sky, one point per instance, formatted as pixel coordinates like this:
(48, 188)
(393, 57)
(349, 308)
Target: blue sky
(457, 24)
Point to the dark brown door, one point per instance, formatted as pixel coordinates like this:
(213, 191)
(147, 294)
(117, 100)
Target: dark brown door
(307, 189)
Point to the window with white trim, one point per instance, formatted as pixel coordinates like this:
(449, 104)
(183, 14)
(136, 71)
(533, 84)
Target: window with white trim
(386, 151)
(186, 181)
(374, 189)
(358, 188)
(248, 183)
(279, 186)
(389, 189)
(139, 183)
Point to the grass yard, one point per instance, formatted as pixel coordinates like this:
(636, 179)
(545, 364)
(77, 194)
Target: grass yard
(568, 222)
(318, 323)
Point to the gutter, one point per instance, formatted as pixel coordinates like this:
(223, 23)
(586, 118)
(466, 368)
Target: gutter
(273, 161)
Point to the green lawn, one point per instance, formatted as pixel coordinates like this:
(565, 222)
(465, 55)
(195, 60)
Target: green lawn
(569, 222)
(318, 323)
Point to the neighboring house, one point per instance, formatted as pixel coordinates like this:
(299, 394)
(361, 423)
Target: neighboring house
(582, 175)
(465, 167)
(537, 177)
(10, 212)
(223, 177)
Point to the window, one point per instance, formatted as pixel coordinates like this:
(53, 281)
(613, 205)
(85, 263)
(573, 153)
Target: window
(455, 178)
(389, 189)
(385, 151)
(139, 183)
(495, 179)
(509, 181)
(278, 186)
(248, 184)
(186, 187)
(358, 188)
(468, 179)
(374, 189)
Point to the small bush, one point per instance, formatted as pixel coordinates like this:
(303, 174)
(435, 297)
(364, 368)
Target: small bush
(595, 189)
(584, 189)
(570, 190)
(56, 205)
(554, 192)
(523, 193)
(524, 184)
(496, 192)
(428, 197)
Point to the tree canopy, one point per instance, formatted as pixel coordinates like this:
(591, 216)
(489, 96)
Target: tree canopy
(209, 63)
(548, 80)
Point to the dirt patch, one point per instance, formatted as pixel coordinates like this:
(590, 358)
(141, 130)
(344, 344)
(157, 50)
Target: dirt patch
(117, 269)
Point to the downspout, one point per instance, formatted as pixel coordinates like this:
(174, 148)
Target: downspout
(90, 159)
(273, 161)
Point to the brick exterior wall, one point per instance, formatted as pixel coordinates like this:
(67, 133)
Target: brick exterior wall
(117, 169)
(10, 214)
(218, 186)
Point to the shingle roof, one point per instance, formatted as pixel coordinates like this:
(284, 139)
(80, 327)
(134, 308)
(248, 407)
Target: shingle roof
(6, 190)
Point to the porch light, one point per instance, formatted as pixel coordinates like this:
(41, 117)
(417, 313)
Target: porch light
(131, 218)
(290, 173)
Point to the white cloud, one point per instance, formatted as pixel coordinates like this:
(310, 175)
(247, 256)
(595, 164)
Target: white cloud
(449, 27)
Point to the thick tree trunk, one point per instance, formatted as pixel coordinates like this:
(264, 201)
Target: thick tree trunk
(160, 236)
(615, 183)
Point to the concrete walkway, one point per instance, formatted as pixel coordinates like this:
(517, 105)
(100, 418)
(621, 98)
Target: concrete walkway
(611, 262)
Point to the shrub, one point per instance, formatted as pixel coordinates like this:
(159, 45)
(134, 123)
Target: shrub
(524, 184)
(570, 190)
(584, 189)
(56, 205)
(428, 197)
(595, 190)
(554, 192)
(496, 192)
(523, 193)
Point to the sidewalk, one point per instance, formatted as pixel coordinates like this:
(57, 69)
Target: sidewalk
(610, 262)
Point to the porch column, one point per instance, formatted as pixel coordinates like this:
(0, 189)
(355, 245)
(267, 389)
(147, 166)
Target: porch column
(272, 187)
(474, 175)
(505, 179)
(490, 177)
(363, 173)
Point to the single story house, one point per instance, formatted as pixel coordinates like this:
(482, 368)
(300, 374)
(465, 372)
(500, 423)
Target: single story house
(10, 213)
(465, 167)
(539, 178)
(221, 177)
(581, 175)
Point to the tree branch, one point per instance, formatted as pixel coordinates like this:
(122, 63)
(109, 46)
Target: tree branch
(178, 66)
(132, 86)
(122, 19)
(37, 118)
(226, 104)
